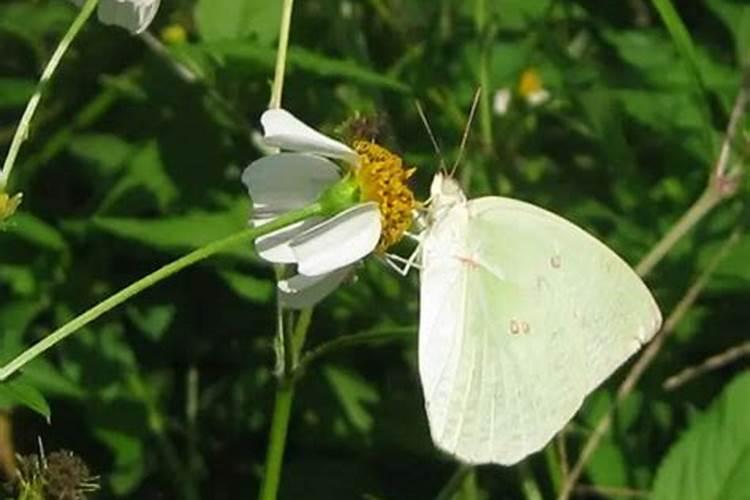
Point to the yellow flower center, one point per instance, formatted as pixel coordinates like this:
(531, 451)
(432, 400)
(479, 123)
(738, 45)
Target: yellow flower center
(382, 178)
(530, 83)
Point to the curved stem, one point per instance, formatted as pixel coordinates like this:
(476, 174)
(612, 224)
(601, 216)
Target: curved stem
(151, 279)
(22, 132)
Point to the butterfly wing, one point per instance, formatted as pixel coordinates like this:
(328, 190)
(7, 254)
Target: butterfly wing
(522, 315)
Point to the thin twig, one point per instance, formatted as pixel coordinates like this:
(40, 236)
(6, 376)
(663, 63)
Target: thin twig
(712, 363)
(649, 354)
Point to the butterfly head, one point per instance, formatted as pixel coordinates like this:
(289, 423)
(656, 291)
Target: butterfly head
(445, 192)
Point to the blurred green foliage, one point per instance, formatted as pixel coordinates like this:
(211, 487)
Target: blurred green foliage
(132, 163)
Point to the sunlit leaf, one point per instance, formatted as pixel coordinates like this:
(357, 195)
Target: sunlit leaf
(712, 459)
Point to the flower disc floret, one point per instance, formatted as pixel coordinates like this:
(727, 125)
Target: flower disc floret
(383, 179)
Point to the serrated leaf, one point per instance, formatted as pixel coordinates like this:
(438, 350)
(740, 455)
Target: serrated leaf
(712, 459)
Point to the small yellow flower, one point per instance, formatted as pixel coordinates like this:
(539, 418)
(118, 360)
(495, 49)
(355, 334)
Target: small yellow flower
(531, 88)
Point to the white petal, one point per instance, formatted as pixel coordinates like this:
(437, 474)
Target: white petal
(274, 247)
(133, 15)
(283, 130)
(280, 183)
(305, 291)
(286, 181)
(338, 241)
(537, 98)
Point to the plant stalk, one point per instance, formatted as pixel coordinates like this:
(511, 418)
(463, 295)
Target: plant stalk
(153, 278)
(22, 132)
(278, 79)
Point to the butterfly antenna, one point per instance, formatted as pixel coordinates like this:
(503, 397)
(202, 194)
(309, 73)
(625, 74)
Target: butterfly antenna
(466, 130)
(435, 144)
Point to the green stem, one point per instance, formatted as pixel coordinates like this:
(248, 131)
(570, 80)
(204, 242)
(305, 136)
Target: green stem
(293, 344)
(153, 278)
(299, 335)
(282, 409)
(485, 106)
(22, 132)
(528, 483)
(278, 79)
(376, 336)
(455, 483)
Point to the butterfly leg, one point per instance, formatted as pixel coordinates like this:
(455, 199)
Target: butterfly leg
(401, 265)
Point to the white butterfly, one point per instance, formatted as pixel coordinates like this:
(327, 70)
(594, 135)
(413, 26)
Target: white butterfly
(522, 315)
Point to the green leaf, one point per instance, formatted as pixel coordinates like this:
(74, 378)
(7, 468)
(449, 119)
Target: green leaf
(146, 171)
(326, 66)
(14, 92)
(736, 16)
(17, 392)
(684, 43)
(42, 374)
(128, 451)
(354, 394)
(234, 19)
(15, 318)
(153, 321)
(106, 151)
(38, 232)
(712, 459)
(182, 233)
(249, 287)
(236, 55)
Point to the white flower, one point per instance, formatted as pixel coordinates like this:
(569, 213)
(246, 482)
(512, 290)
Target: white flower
(324, 251)
(133, 15)
(530, 88)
